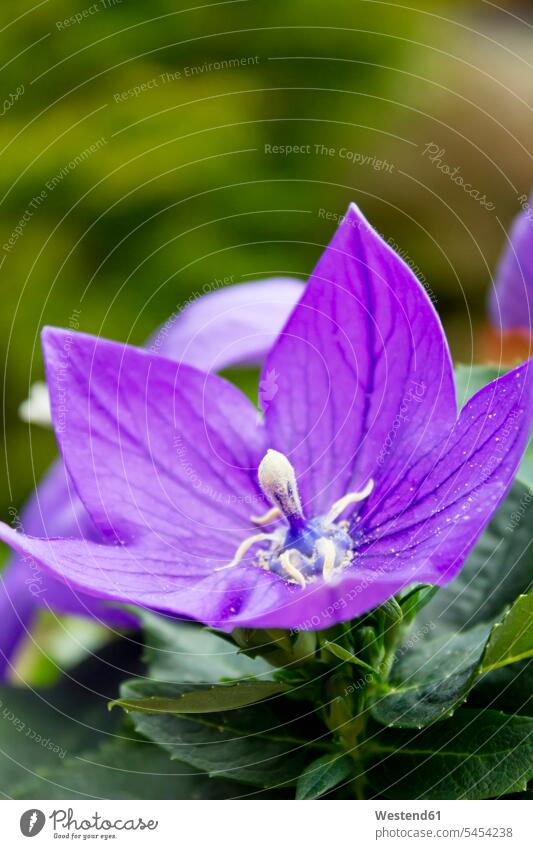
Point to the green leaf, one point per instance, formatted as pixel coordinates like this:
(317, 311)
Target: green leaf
(497, 570)
(253, 745)
(186, 652)
(468, 381)
(511, 639)
(509, 689)
(429, 681)
(475, 755)
(414, 599)
(525, 470)
(122, 769)
(432, 679)
(347, 656)
(323, 775)
(209, 700)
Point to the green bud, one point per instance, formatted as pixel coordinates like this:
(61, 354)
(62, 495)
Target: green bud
(370, 644)
(390, 612)
(278, 646)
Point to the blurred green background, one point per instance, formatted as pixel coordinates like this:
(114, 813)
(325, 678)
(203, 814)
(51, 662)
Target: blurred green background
(132, 145)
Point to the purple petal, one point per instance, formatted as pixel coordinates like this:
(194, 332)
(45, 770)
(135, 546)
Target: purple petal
(436, 514)
(234, 326)
(363, 370)
(154, 448)
(18, 610)
(230, 600)
(145, 574)
(247, 597)
(55, 509)
(511, 298)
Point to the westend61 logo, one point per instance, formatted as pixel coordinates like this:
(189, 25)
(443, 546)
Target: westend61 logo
(65, 824)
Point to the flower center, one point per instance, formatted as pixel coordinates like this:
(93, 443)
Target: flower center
(300, 549)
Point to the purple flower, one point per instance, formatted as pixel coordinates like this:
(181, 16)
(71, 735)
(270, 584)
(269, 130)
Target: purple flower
(360, 481)
(233, 326)
(511, 299)
(230, 327)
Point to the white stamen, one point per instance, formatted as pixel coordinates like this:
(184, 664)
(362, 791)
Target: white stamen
(346, 500)
(243, 548)
(332, 551)
(326, 548)
(278, 481)
(267, 517)
(290, 569)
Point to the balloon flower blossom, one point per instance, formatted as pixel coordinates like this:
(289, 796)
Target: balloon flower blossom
(356, 480)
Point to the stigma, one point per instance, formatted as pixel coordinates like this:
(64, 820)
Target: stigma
(299, 549)
(277, 479)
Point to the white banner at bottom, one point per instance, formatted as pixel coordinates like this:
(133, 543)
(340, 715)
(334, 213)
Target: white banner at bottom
(267, 824)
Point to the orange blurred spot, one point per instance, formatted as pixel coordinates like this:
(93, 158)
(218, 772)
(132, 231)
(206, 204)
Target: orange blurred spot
(507, 348)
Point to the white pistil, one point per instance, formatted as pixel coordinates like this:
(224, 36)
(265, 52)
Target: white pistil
(326, 548)
(344, 502)
(267, 517)
(278, 481)
(244, 547)
(290, 569)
